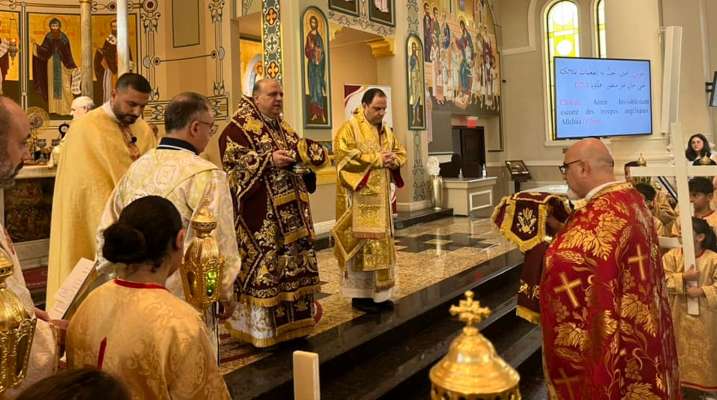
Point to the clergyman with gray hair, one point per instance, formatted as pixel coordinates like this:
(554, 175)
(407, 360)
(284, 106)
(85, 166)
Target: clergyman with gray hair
(175, 171)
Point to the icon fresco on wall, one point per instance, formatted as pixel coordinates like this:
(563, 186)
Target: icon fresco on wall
(350, 7)
(416, 90)
(54, 59)
(315, 69)
(461, 55)
(104, 47)
(9, 55)
(55, 51)
(251, 64)
(382, 12)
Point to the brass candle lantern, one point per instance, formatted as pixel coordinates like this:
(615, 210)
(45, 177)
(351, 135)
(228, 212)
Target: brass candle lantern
(38, 119)
(202, 268)
(17, 328)
(12, 49)
(472, 370)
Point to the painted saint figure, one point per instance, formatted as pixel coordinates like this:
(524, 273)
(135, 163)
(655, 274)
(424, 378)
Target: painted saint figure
(427, 31)
(465, 45)
(56, 77)
(416, 88)
(106, 63)
(316, 65)
(4, 59)
(381, 5)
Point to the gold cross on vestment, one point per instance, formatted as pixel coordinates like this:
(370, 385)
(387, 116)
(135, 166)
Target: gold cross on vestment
(470, 311)
(564, 380)
(568, 288)
(639, 259)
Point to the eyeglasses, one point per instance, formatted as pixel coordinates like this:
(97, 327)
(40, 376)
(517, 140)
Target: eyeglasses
(212, 127)
(564, 168)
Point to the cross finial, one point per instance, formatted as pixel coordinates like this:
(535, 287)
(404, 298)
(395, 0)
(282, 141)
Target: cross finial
(470, 311)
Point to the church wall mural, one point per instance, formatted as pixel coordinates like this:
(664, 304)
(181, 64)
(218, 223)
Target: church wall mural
(382, 12)
(416, 84)
(350, 7)
(54, 59)
(315, 69)
(251, 67)
(461, 55)
(9, 50)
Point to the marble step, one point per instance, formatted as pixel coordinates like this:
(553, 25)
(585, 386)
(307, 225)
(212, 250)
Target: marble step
(381, 374)
(402, 221)
(406, 219)
(270, 378)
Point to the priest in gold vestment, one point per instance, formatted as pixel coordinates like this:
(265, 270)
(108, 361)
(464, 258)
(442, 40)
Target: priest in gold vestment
(268, 166)
(99, 148)
(175, 171)
(368, 158)
(132, 326)
(14, 134)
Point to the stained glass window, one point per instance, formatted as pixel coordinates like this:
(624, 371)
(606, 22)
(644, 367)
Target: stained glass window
(563, 39)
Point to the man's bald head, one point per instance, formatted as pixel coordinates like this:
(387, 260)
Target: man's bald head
(588, 164)
(269, 97)
(594, 152)
(14, 135)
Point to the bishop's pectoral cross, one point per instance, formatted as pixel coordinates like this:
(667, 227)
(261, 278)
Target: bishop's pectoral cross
(681, 171)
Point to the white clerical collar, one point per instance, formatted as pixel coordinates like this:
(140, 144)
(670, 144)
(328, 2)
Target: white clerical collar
(107, 108)
(596, 189)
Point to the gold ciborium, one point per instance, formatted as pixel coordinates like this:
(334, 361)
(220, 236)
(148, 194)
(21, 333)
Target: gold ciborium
(202, 267)
(17, 328)
(472, 370)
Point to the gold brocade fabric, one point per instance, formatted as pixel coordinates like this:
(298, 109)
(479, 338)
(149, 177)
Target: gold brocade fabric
(94, 158)
(188, 181)
(364, 231)
(279, 274)
(43, 353)
(605, 314)
(156, 344)
(696, 335)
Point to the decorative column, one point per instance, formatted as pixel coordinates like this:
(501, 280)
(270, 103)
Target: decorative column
(271, 39)
(122, 38)
(86, 34)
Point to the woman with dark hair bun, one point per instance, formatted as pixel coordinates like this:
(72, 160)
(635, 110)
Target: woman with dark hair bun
(133, 327)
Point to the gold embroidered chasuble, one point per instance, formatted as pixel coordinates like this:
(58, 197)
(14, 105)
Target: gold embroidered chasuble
(95, 156)
(696, 335)
(274, 229)
(43, 353)
(363, 233)
(153, 342)
(605, 314)
(188, 181)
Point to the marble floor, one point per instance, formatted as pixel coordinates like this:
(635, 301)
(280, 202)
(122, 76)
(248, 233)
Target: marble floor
(428, 253)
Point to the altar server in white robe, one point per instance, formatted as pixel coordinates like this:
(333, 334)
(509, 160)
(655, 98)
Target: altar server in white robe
(175, 171)
(14, 135)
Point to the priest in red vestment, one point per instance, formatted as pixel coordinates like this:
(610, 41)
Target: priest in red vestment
(607, 329)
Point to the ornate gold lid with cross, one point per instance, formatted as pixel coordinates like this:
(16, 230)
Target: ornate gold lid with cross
(17, 328)
(472, 370)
